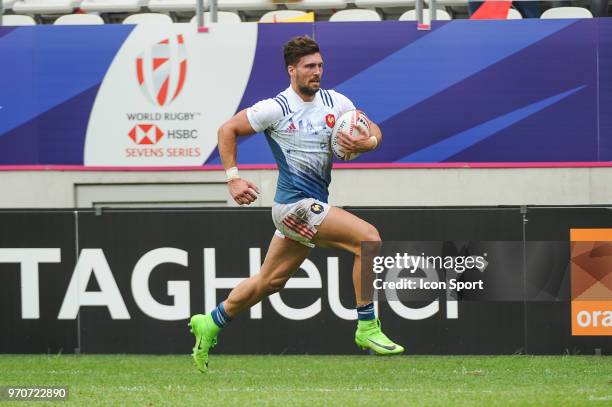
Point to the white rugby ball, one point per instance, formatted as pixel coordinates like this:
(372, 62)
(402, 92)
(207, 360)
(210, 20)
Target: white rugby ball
(346, 124)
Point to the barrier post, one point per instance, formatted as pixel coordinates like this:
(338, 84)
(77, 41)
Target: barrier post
(419, 14)
(200, 16)
(213, 11)
(418, 6)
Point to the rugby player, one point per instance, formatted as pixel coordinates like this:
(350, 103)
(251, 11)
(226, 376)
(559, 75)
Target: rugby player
(297, 123)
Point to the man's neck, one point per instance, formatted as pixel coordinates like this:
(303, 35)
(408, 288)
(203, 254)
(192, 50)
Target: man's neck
(302, 96)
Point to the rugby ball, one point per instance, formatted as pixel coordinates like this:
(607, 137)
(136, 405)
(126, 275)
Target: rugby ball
(346, 124)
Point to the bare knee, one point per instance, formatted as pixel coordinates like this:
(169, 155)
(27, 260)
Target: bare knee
(371, 238)
(371, 235)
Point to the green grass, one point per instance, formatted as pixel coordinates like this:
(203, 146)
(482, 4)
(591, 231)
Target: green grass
(317, 380)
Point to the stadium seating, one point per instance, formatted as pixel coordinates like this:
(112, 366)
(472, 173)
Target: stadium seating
(388, 9)
(514, 14)
(15, 19)
(174, 5)
(113, 6)
(355, 14)
(410, 15)
(148, 18)
(8, 4)
(45, 6)
(79, 19)
(566, 12)
(383, 3)
(317, 5)
(223, 17)
(245, 5)
(261, 10)
(449, 3)
(278, 15)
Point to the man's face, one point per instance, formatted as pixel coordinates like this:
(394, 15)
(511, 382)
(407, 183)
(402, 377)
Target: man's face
(307, 73)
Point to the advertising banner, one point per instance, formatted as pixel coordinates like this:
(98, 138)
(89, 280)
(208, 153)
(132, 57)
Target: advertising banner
(512, 93)
(127, 281)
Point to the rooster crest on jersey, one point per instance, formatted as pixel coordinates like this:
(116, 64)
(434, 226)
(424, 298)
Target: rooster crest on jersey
(162, 69)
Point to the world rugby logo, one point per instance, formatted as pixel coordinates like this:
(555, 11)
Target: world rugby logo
(162, 69)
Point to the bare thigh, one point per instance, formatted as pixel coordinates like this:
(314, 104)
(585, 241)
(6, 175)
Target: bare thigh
(343, 230)
(283, 258)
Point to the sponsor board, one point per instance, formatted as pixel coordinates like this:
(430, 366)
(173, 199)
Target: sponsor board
(127, 281)
(160, 103)
(591, 282)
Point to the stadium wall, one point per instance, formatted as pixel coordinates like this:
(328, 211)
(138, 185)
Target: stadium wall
(448, 108)
(350, 187)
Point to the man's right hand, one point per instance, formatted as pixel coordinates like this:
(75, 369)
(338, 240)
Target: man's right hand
(242, 191)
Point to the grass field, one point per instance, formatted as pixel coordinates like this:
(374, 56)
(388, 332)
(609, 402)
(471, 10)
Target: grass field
(316, 380)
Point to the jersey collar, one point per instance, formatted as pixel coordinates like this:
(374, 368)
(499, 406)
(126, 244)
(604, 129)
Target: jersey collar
(294, 98)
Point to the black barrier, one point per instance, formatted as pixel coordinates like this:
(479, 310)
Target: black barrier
(32, 275)
(139, 274)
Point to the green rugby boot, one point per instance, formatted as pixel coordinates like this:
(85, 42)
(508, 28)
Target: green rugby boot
(205, 331)
(370, 336)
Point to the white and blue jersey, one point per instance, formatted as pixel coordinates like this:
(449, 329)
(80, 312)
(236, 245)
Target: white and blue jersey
(299, 134)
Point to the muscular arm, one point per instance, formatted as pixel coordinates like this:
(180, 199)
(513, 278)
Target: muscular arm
(241, 190)
(227, 134)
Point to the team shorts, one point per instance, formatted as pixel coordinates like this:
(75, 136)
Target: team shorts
(298, 221)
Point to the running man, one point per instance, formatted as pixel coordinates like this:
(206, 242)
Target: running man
(297, 123)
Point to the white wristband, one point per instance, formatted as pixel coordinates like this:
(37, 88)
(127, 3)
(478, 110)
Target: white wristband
(232, 173)
(375, 141)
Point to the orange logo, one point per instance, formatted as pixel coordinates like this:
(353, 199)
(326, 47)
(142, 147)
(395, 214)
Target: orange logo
(591, 269)
(330, 120)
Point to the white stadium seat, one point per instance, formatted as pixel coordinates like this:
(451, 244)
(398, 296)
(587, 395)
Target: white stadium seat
(278, 15)
(566, 12)
(245, 5)
(45, 6)
(175, 5)
(317, 5)
(514, 14)
(384, 3)
(410, 15)
(223, 17)
(14, 19)
(113, 6)
(355, 14)
(8, 4)
(79, 19)
(148, 18)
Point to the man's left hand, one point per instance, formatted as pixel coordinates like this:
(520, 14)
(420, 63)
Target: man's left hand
(357, 144)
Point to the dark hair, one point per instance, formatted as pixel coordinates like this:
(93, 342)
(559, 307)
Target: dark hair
(298, 47)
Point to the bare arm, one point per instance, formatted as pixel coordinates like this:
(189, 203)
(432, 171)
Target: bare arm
(241, 190)
(376, 132)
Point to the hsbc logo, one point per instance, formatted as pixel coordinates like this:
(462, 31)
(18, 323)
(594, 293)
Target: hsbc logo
(162, 69)
(146, 134)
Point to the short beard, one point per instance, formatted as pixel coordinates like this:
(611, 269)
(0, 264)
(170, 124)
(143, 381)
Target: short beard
(308, 91)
